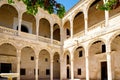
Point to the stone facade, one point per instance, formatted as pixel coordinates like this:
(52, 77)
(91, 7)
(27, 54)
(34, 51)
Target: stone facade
(84, 44)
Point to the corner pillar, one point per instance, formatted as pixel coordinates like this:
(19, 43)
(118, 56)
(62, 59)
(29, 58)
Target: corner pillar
(19, 22)
(51, 70)
(87, 63)
(86, 21)
(18, 62)
(109, 70)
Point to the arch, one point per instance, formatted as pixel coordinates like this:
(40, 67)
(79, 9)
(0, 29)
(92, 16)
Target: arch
(7, 15)
(77, 13)
(79, 62)
(6, 3)
(28, 62)
(98, 39)
(56, 66)
(66, 52)
(45, 50)
(44, 28)
(29, 21)
(66, 20)
(90, 3)
(115, 52)
(97, 54)
(78, 23)
(8, 48)
(113, 36)
(10, 42)
(8, 57)
(44, 64)
(29, 46)
(56, 32)
(97, 47)
(66, 27)
(95, 15)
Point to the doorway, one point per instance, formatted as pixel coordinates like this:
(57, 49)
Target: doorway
(68, 71)
(104, 71)
(5, 67)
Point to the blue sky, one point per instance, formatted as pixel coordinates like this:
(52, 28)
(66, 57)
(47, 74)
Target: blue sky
(68, 3)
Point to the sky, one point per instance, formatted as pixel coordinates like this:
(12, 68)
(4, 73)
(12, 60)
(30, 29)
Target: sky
(68, 3)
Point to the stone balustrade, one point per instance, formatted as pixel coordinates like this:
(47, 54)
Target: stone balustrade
(8, 31)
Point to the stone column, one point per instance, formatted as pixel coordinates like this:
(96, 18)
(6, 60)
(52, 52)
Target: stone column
(109, 70)
(106, 15)
(19, 22)
(18, 62)
(86, 21)
(71, 27)
(51, 70)
(36, 67)
(51, 33)
(72, 69)
(87, 63)
(37, 27)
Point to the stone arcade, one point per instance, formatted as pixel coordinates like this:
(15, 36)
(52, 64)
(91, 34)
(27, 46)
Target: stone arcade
(83, 45)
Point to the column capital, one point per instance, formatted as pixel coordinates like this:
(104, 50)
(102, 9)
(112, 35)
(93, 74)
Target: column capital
(51, 60)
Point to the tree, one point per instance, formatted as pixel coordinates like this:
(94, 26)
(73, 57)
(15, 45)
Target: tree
(50, 5)
(109, 5)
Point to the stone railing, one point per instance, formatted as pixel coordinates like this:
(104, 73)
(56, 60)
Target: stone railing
(44, 39)
(56, 42)
(8, 31)
(79, 34)
(28, 35)
(100, 25)
(12, 32)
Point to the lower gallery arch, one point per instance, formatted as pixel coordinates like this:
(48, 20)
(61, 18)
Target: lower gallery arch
(44, 65)
(97, 61)
(8, 58)
(115, 57)
(56, 66)
(66, 66)
(27, 64)
(79, 63)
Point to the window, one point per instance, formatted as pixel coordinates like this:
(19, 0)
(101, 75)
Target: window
(22, 71)
(68, 33)
(24, 29)
(47, 72)
(68, 60)
(79, 71)
(46, 60)
(32, 58)
(103, 48)
(80, 53)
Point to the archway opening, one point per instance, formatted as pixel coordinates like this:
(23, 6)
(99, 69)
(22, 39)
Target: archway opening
(27, 65)
(95, 15)
(97, 54)
(67, 64)
(115, 57)
(8, 57)
(79, 63)
(28, 23)
(44, 28)
(67, 30)
(7, 15)
(78, 23)
(56, 32)
(44, 65)
(56, 66)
